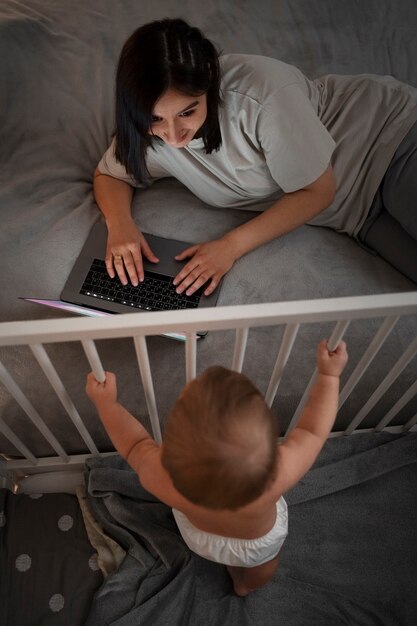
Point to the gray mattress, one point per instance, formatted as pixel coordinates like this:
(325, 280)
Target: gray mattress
(57, 63)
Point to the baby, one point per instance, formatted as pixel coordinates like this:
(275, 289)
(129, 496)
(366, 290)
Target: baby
(221, 468)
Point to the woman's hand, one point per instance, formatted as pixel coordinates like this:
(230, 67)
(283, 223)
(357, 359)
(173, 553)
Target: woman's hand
(208, 262)
(102, 394)
(125, 247)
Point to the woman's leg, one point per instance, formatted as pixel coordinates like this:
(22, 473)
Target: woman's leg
(399, 187)
(387, 237)
(247, 579)
(391, 229)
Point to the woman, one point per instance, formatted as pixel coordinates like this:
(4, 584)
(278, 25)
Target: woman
(337, 151)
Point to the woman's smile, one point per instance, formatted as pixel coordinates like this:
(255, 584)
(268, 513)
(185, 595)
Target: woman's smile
(177, 118)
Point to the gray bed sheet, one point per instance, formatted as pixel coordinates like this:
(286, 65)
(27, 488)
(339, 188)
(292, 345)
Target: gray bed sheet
(350, 556)
(57, 64)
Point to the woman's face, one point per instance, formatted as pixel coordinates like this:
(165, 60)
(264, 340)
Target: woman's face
(177, 118)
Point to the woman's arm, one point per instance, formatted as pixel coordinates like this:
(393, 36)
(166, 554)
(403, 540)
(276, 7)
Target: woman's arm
(211, 260)
(125, 242)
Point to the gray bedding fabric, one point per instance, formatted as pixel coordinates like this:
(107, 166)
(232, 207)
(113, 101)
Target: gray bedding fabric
(48, 568)
(350, 556)
(57, 63)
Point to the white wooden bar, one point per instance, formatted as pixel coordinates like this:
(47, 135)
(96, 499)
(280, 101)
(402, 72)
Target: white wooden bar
(238, 318)
(337, 334)
(289, 336)
(241, 340)
(411, 424)
(18, 444)
(210, 318)
(384, 385)
(332, 343)
(371, 352)
(146, 376)
(190, 356)
(52, 375)
(395, 430)
(51, 464)
(405, 398)
(94, 359)
(30, 411)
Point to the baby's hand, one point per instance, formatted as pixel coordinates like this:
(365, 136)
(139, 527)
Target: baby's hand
(102, 394)
(331, 363)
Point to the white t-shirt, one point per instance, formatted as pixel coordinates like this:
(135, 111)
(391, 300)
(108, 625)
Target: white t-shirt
(280, 131)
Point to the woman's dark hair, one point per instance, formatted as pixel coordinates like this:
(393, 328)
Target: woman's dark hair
(160, 55)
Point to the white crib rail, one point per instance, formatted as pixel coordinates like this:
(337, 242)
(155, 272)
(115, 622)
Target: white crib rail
(139, 326)
(410, 352)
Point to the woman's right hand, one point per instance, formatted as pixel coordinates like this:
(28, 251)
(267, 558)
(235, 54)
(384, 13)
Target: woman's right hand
(125, 247)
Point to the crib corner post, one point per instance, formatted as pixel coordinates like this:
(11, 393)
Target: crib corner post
(7, 480)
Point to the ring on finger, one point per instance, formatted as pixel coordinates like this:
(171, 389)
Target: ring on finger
(117, 257)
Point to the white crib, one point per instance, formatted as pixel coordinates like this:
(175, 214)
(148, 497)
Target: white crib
(138, 326)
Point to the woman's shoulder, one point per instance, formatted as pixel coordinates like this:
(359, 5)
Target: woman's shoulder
(253, 74)
(256, 61)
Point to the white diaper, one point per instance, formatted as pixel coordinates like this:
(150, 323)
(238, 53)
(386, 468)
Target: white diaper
(236, 552)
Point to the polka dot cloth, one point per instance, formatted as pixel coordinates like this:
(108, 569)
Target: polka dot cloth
(93, 562)
(56, 603)
(65, 523)
(23, 562)
(50, 536)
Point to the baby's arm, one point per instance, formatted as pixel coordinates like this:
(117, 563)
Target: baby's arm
(124, 430)
(301, 447)
(131, 439)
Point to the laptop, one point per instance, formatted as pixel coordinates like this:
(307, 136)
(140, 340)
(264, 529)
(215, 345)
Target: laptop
(90, 289)
(89, 284)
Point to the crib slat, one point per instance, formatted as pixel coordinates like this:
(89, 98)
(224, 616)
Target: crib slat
(334, 340)
(411, 391)
(190, 356)
(18, 444)
(384, 385)
(30, 411)
(94, 359)
(289, 336)
(241, 339)
(411, 422)
(372, 350)
(52, 375)
(146, 375)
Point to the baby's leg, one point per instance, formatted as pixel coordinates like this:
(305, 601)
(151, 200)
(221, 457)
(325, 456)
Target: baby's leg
(247, 579)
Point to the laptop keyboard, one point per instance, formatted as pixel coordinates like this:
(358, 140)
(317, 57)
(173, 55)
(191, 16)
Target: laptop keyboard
(155, 293)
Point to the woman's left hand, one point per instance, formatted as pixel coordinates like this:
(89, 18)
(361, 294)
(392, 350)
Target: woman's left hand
(208, 262)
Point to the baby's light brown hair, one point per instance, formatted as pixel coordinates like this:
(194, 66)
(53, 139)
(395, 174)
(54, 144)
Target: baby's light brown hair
(220, 441)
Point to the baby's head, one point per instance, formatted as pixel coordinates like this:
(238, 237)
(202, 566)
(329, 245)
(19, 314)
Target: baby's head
(220, 441)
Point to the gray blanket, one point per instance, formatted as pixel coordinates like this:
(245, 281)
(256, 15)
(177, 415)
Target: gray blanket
(350, 557)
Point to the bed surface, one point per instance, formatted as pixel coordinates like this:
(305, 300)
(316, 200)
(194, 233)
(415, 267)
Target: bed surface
(57, 78)
(57, 63)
